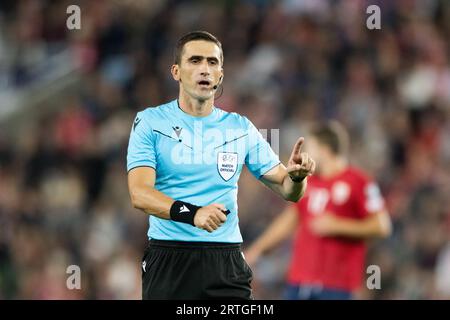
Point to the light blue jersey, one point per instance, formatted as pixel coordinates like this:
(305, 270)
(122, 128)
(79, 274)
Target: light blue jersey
(197, 160)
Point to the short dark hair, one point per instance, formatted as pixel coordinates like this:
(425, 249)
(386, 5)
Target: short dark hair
(333, 135)
(193, 36)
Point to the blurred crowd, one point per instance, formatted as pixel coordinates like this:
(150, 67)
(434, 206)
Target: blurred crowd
(63, 185)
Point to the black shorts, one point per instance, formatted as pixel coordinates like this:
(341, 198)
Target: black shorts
(195, 270)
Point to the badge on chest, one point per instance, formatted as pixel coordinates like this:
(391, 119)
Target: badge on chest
(227, 164)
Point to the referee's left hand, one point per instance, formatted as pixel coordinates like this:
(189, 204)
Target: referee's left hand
(300, 164)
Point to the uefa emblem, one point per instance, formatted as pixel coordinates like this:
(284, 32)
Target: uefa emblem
(227, 163)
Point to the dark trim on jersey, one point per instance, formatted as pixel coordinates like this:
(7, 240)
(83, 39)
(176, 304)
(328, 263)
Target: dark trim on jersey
(171, 138)
(166, 135)
(141, 167)
(178, 104)
(231, 141)
(136, 122)
(269, 170)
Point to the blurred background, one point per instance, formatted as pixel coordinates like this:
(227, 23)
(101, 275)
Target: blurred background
(68, 99)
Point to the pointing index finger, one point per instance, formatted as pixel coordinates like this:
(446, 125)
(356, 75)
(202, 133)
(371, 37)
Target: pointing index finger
(298, 146)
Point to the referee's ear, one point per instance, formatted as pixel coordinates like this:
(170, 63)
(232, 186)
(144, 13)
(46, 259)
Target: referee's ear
(175, 70)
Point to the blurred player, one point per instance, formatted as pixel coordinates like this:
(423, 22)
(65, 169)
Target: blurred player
(341, 208)
(190, 192)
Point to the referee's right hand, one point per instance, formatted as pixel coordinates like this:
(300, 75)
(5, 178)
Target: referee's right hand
(210, 217)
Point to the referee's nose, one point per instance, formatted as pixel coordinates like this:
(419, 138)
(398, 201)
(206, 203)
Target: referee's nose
(204, 68)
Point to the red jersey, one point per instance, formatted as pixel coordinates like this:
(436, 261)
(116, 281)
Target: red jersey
(333, 262)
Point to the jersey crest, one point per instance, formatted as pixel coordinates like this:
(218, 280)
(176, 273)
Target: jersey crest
(227, 164)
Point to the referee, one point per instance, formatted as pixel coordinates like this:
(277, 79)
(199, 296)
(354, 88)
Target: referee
(184, 161)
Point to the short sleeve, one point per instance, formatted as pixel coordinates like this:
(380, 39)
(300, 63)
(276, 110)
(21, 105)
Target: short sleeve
(141, 146)
(369, 197)
(260, 157)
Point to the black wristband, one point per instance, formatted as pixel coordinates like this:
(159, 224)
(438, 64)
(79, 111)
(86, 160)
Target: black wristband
(296, 179)
(183, 212)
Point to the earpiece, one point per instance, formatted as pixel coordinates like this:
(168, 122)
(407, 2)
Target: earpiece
(218, 83)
